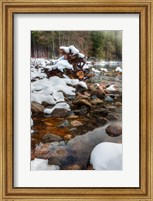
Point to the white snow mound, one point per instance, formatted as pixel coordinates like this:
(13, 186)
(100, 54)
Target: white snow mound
(41, 164)
(107, 156)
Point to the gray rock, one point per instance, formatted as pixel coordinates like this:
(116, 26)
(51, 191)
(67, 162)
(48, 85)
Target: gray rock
(109, 99)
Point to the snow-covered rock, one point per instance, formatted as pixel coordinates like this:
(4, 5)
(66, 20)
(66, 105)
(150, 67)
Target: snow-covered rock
(52, 90)
(73, 50)
(80, 55)
(104, 70)
(66, 49)
(61, 65)
(118, 69)
(62, 105)
(107, 156)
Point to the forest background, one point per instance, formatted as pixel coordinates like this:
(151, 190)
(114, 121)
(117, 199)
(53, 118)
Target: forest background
(95, 45)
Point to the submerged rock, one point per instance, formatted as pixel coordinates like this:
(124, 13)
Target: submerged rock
(114, 130)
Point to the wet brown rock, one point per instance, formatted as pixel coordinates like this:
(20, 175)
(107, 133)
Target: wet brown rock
(112, 117)
(82, 102)
(39, 152)
(90, 167)
(102, 120)
(51, 138)
(99, 93)
(32, 156)
(45, 104)
(59, 112)
(114, 130)
(36, 107)
(33, 142)
(118, 104)
(53, 161)
(82, 96)
(96, 101)
(76, 123)
(101, 112)
(73, 117)
(67, 137)
(92, 88)
(112, 108)
(73, 167)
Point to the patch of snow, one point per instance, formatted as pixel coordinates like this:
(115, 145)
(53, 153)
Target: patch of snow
(85, 67)
(66, 49)
(107, 156)
(41, 164)
(95, 70)
(62, 105)
(104, 70)
(61, 65)
(111, 88)
(80, 55)
(73, 50)
(118, 69)
(52, 90)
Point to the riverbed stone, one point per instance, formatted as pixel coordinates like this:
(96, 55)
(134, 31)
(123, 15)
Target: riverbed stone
(67, 137)
(76, 123)
(36, 107)
(51, 138)
(101, 112)
(114, 129)
(118, 104)
(59, 112)
(96, 101)
(109, 99)
(82, 102)
(64, 124)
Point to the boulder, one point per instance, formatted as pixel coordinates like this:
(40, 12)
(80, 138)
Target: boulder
(114, 130)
